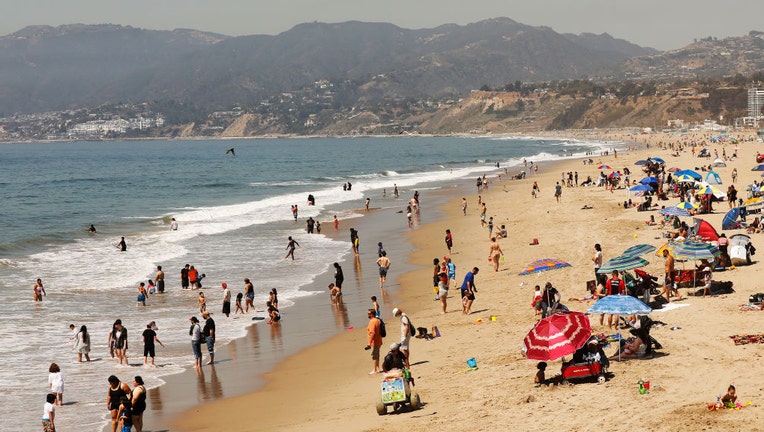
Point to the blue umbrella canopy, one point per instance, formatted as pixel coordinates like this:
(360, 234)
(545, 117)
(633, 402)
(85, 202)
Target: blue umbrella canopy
(758, 168)
(619, 304)
(690, 173)
(730, 219)
(674, 211)
(640, 188)
(641, 162)
(623, 262)
(695, 250)
(638, 250)
(684, 205)
(648, 180)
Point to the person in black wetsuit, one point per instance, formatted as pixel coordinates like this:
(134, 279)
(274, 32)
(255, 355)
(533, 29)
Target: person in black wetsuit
(122, 245)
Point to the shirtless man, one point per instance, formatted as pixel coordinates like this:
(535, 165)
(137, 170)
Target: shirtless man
(494, 253)
(668, 282)
(159, 278)
(384, 264)
(249, 293)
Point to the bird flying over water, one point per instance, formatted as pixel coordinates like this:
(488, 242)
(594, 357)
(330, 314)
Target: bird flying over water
(231, 151)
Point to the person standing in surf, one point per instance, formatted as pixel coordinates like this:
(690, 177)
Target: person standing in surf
(122, 246)
(159, 278)
(291, 247)
(39, 291)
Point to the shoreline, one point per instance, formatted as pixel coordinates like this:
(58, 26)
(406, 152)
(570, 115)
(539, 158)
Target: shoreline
(295, 395)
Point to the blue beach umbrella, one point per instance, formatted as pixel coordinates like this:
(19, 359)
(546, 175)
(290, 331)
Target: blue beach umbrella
(730, 219)
(658, 160)
(641, 162)
(674, 211)
(638, 250)
(648, 180)
(758, 168)
(640, 188)
(619, 304)
(623, 262)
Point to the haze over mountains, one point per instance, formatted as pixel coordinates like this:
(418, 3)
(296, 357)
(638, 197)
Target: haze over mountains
(46, 68)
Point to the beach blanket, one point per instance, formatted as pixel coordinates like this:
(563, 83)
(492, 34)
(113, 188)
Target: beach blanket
(671, 306)
(749, 307)
(748, 339)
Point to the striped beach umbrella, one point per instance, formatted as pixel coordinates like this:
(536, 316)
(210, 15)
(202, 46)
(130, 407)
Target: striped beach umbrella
(684, 205)
(673, 169)
(674, 211)
(623, 262)
(695, 250)
(557, 336)
(604, 167)
(638, 250)
(619, 304)
(710, 190)
(690, 173)
(684, 178)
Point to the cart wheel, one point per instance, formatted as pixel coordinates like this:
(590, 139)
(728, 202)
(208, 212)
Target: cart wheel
(381, 407)
(601, 379)
(416, 403)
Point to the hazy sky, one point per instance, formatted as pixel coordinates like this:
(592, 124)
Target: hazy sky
(662, 24)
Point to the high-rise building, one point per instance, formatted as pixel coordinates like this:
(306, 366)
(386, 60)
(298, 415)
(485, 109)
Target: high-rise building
(755, 102)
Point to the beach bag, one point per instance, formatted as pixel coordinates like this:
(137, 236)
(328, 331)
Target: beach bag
(382, 329)
(412, 329)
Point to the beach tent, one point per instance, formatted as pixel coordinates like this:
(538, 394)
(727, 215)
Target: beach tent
(719, 163)
(713, 178)
(730, 219)
(704, 230)
(739, 249)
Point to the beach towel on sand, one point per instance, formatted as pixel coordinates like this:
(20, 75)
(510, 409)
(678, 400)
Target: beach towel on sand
(748, 339)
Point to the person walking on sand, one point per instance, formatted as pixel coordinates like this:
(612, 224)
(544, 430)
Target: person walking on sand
(495, 253)
(449, 241)
(668, 282)
(443, 286)
(483, 211)
(39, 291)
(599, 279)
(159, 278)
(464, 206)
(367, 204)
(405, 334)
(291, 247)
(384, 265)
(468, 291)
(149, 349)
(226, 300)
(249, 294)
(557, 191)
(374, 339)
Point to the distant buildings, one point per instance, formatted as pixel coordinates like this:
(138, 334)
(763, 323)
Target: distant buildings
(102, 128)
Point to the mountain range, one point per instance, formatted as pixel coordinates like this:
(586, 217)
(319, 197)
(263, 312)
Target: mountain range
(46, 68)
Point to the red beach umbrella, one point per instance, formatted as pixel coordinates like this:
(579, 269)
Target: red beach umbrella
(557, 336)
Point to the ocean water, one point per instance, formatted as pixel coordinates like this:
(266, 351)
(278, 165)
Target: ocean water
(234, 215)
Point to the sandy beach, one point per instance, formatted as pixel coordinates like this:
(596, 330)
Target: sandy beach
(326, 387)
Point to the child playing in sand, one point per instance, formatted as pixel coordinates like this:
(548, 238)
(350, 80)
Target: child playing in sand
(202, 302)
(239, 296)
(540, 378)
(536, 304)
(729, 398)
